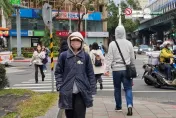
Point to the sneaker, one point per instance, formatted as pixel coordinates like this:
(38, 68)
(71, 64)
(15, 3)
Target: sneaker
(118, 109)
(101, 86)
(45, 71)
(130, 112)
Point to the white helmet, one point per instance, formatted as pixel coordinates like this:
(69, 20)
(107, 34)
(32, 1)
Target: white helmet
(165, 43)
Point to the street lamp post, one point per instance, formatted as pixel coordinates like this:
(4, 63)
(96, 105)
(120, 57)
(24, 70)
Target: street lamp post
(85, 21)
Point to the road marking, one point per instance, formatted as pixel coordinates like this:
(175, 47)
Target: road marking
(31, 84)
(141, 91)
(32, 87)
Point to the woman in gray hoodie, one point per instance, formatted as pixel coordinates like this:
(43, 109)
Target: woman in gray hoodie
(115, 62)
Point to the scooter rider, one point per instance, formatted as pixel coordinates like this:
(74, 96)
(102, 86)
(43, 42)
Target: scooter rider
(166, 57)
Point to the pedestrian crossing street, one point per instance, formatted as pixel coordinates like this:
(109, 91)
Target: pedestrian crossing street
(46, 86)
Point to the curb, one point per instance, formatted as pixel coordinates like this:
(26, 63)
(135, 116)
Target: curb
(28, 61)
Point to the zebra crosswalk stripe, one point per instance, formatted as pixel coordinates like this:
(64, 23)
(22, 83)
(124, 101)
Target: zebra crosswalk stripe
(46, 85)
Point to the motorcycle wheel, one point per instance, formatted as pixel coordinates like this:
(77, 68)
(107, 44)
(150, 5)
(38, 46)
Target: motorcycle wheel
(148, 82)
(157, 86)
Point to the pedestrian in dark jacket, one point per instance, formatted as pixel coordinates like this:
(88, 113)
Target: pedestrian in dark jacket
(75, 78)
(63, 46)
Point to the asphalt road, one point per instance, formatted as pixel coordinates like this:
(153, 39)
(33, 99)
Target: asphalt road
(22, 72)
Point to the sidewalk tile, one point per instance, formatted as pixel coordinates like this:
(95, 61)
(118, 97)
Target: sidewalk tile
(100, 116)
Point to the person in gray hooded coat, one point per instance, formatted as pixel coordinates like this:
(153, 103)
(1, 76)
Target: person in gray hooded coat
(75, 78)
(115, 62)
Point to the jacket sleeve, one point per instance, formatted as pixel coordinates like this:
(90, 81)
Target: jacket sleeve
(109, 57)
(90, 75)
(59, 72)
(132, 57)
(165, 54)
(33, 57)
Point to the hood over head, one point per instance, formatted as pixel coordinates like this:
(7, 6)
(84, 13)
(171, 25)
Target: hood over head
(77, 35)
(120, 33)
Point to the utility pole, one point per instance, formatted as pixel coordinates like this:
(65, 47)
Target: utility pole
(70, 30)
(47, 18)
(18, 25)
(120, 13)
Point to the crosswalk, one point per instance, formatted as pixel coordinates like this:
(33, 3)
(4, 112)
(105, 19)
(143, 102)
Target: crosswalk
(46, 86)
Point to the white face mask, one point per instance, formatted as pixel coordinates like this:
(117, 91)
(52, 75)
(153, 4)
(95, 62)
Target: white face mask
(170, 47)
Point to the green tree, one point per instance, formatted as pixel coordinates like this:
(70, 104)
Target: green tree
(78, 4)
(46, 39)
(113, 18)
(7, 7)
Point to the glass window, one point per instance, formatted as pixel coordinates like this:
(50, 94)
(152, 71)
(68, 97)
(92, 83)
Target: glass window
(64, 25)
(29, 24)
(94, 26)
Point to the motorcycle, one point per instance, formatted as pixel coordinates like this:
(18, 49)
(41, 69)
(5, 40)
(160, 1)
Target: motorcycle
(154, 74)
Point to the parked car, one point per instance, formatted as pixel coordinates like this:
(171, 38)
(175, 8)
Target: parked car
(135, 49)
(143, 49)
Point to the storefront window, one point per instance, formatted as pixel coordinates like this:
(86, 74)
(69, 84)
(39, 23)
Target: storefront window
(29, 24)
(93, 26)
(64, 25)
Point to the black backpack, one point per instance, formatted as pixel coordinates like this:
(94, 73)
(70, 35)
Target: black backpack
(98, 62)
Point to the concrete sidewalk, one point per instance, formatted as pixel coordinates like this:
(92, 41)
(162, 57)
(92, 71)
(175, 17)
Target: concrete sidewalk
(29, 59)
(104, 108)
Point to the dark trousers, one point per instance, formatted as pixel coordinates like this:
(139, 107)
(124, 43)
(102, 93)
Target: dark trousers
(98, 78)
(41, 71)
(79, 108)
(168, 71)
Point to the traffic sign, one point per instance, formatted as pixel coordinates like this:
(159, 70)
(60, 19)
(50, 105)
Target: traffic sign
(46, 14)
(137, 14)
(128, 11)
(147, 13)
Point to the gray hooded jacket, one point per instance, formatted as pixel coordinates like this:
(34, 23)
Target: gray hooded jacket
(114, 59)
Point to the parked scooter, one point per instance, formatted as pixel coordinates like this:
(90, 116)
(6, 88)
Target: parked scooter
(155, 75)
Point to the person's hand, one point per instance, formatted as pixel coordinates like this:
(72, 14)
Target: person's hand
(171, 61)
(30, 64)
(106, 73)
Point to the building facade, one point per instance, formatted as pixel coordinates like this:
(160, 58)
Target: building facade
(143, 3)
(31, 22)
(160, 26)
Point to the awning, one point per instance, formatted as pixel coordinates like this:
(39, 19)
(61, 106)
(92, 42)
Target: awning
(4, 29)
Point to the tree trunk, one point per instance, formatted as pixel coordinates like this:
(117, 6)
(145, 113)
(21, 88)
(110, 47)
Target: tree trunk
(79, 20)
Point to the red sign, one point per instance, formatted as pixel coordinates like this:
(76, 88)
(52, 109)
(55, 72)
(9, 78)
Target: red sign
(128, 11)
(66, 33)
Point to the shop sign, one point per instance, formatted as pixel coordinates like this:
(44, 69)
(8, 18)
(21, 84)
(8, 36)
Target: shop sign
(75, 15)
(39, 33)
(15, 2)
(97, 34)
(23, 33)
(30, 32)
(66, 33)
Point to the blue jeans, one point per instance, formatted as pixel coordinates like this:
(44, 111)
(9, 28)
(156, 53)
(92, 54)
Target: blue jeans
(118, 77)
(44, 67)
(168, 71)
